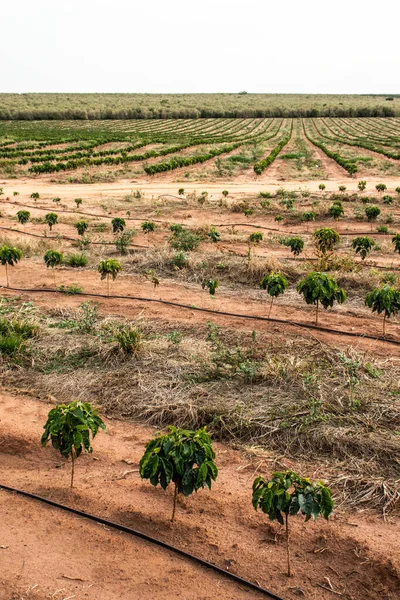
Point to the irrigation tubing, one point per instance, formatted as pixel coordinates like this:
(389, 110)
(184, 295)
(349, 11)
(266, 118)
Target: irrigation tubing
(69, 239)
(86, 214)
(144, 536)
(208, 310)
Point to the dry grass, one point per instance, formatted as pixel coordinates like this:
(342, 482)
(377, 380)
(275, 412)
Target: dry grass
(292, 396)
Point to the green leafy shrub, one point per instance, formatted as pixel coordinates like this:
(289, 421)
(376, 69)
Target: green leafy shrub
(380, 187)
(326, 239)
(69, 427)
(184, 240)
(81, 226)
(286, 494)
(118, 224)
(372, 213)
(308, 216)
(53, 258)
(214, 235)
(23, 216)
(296, 244)
(322, 187)
(51, 219)
(9, 256)
(35, 196)
(179, 260)
(176, 228)
(362, 185)
(124, 240)
(183, 457)
(78, 202)
(275, 284)
(109, 268)
(211, 285)
(384, 300)
(320, 288)
(336, 211)
(362, 246)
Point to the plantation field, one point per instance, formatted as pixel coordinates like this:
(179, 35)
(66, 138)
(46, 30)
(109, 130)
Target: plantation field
(154, 347)
(164, 106)
(208, 149)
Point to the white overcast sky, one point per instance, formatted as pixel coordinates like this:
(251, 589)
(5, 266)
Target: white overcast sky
(309, 46)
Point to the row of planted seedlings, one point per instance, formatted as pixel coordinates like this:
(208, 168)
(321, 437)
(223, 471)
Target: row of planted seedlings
(317, 288)
(185, 459)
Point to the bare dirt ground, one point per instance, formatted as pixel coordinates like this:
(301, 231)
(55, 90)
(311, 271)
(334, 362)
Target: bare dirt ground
(49, 554)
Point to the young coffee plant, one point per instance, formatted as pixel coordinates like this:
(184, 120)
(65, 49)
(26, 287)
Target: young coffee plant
(23, 216)
(322, 187)
(275, 284)
(53, 258)
(381, 187)
(81, 226)
(118, 224)
(148, 227)
(387, 199)
(320, 288)
(176, 228)
(362, 246)
(124, 240)
(308, 216)
(9, 256)
(296, 245)
(372, 213)
(255, 238)
(51, 219)
(384, 300)
(362, 185)
(109, 268)
(396, 242)
(35, 196)
(181, 191)
(214, 235)
(56, 200)
(286, 494)
(69, 427)
(336, 210)
(225, 193)
(78, 202)
(326, 239)
(342, 188)
(397, 190)
(183, 457)
(184, 241)
(278, 218)
(211, 285)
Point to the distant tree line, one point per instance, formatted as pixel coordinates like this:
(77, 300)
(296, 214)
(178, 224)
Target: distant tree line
(188, 113)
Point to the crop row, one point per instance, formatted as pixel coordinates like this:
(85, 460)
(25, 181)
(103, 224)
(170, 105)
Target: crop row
(349, 166)
(261, 165)
(357, 144)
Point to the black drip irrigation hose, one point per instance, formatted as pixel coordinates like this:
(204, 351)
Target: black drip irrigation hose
(218, 225)
(69, 239)
(147, 538)
(210, 311)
